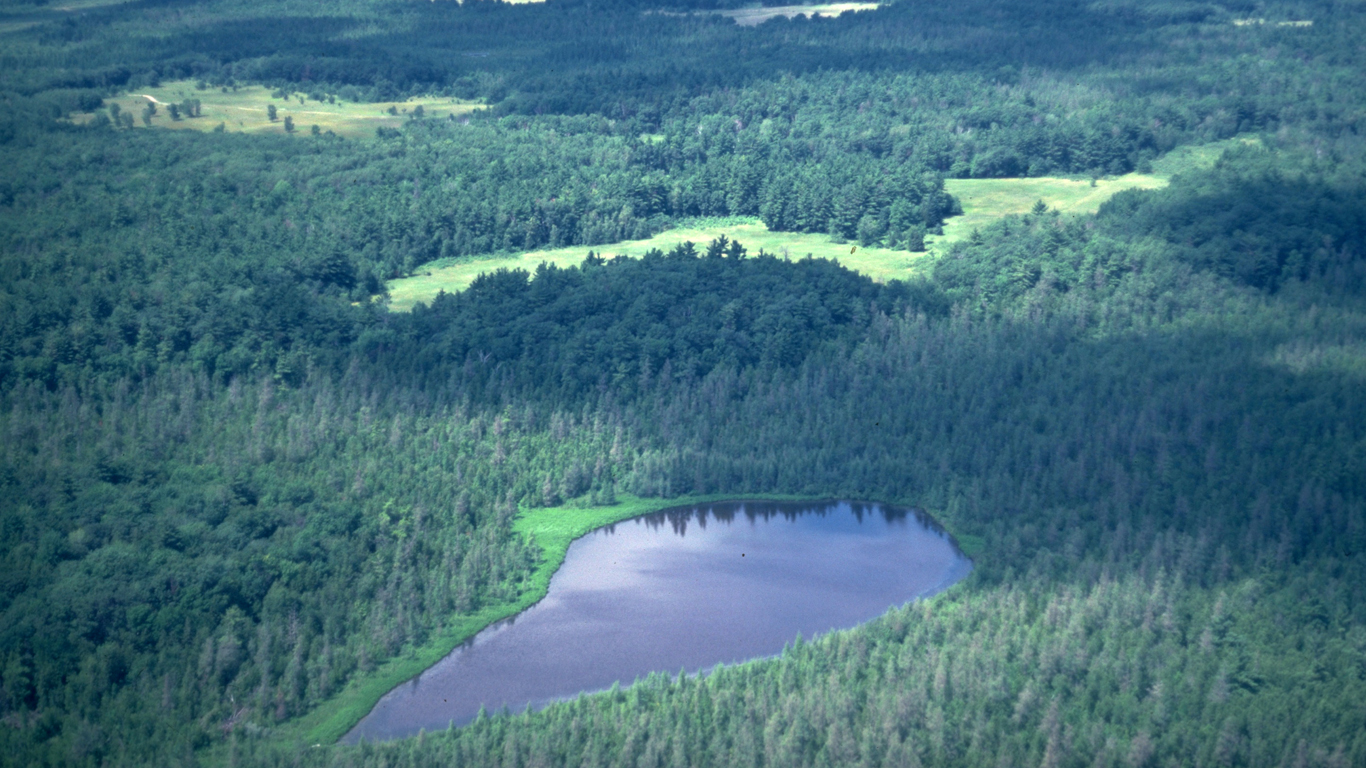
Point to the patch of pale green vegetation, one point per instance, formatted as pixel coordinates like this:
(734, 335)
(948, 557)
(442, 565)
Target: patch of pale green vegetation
(1260, 22)
(749, 17)
(879, 263)
(1198, 156)
(247, 109)
(984, 201)
(1304, 357)
(552, 529)
(987, 200)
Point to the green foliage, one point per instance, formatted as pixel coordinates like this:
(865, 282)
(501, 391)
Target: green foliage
(629, 325)
(1251, 222)
(238, 497)
(1247, 220)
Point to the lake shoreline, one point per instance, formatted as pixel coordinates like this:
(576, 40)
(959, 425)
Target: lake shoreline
(828, 588)
(553, 529)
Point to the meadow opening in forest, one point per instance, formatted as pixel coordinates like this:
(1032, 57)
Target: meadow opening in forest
(455, 275)
(749, 17)
(185, 105)
(984, 201)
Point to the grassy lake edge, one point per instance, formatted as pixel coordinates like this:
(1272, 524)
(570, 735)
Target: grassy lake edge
(553, 529)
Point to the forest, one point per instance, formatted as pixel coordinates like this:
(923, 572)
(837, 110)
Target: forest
(234, 484)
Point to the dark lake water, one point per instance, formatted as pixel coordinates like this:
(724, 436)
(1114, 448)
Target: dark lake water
(682, 589)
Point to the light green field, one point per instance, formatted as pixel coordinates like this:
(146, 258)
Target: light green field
(244, 110)
(1260, 22)
(879, 263)
(984, 201)
(1196, 157)
(553, 529)
(749, 17)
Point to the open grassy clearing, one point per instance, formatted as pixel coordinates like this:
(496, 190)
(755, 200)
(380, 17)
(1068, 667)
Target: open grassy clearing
(244, 110)
(1197, 157)
(880, 263)
(749, 17)
(984, 201)
(1259, 22)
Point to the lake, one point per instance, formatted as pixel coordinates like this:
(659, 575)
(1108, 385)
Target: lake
(682, 589)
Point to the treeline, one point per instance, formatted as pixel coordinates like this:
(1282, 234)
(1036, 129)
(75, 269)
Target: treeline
(992, 92)
(232, 482)
(1164, 467)
(186, 558)
(128, 250)
(628, 325)
(1254, 218)
(183, 560)
(1260, 226)
(1128, 449)
(607, 58)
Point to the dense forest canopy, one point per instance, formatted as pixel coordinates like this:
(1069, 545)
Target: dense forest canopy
(233, 485)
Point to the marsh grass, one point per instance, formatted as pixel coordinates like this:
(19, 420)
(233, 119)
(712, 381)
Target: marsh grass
(553, 529)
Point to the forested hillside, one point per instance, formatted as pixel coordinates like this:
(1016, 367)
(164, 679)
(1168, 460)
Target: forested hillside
(233, 484)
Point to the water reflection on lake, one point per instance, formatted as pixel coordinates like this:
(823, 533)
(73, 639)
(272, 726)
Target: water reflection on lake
(686, 589)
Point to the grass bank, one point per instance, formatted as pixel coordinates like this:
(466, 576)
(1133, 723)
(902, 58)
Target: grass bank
(553, 529)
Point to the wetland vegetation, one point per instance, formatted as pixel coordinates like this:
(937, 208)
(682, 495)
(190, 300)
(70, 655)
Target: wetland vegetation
(685, 588)
(241, 498)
